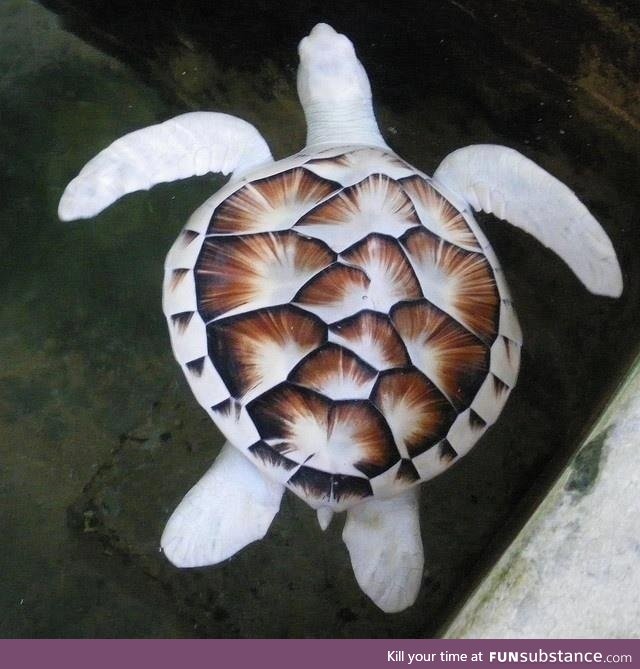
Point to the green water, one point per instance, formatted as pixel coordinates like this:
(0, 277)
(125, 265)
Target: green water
(99, 436)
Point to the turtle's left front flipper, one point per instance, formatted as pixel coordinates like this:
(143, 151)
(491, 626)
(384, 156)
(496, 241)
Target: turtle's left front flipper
(505, 183)
(185, 146)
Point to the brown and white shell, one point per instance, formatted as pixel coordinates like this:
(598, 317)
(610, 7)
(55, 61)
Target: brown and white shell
(344, 325)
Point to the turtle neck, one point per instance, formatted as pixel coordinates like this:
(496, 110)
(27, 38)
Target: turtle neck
(342, 123)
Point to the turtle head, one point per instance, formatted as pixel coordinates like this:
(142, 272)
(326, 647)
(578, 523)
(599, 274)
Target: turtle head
(330, 71)
(334, 91)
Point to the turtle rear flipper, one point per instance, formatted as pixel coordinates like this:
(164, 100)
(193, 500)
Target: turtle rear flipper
(184, 146)
(505, 183)
(231, 506)
(385, 546)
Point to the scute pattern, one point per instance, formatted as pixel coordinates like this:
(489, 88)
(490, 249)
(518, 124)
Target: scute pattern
(237, 274)
(273, 203)
(356, 334)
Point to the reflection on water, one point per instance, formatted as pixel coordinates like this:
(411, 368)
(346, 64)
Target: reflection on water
(98, 433)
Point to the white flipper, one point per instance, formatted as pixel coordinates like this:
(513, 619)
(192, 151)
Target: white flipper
(184, 146)
(232, 505)
(384, 542)
(503, 182)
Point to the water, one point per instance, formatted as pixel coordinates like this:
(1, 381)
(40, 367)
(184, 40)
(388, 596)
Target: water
(99, 436)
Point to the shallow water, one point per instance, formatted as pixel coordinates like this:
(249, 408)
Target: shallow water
(99, 436)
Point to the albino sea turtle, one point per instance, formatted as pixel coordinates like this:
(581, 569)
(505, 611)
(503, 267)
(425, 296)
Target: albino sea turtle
(339, 314)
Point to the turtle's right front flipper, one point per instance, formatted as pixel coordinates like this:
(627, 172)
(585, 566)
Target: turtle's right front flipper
(187, 145)
(503, 182)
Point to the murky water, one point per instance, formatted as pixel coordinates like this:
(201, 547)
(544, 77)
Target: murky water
(99, 436)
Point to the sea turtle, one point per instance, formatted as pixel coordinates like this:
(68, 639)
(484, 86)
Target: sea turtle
(339, 314)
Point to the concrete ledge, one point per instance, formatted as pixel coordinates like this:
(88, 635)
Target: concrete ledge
(574, 570)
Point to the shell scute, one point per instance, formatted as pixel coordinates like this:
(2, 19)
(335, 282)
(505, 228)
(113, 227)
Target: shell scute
(271, 203)
(438, 215)
(354, 166)
(335, 293)
(375, 204)
(255, 351)
(416, 411)
(336, 372)
(391, 277)
(453, 358)
(344, 437)
(373, 338)
(248, 272)
(338, 490)
(458, 282)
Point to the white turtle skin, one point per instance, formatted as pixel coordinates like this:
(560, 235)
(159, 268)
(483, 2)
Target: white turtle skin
(235, 501)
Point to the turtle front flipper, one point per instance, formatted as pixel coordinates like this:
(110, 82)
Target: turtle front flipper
(231, 506)
(185, 146)
(505, 183)
(385, 546)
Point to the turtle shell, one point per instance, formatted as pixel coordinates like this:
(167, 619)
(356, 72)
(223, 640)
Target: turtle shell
(343, 323)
